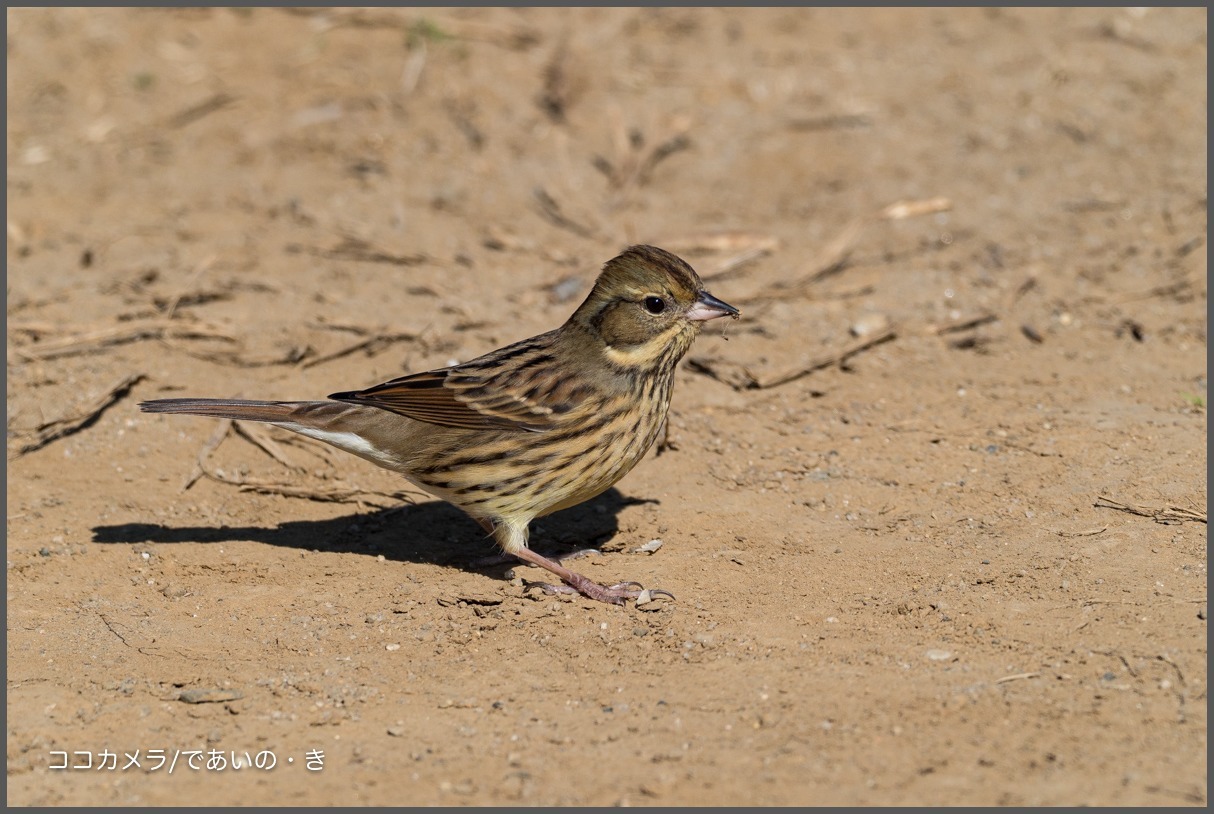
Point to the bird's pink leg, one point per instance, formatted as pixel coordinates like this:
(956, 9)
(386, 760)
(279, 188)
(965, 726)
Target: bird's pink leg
(576, 583)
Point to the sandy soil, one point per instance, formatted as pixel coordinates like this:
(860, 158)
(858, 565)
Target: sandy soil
(961, 559)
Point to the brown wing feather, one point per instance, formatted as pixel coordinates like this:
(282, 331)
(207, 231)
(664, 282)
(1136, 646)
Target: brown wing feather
(504, 389)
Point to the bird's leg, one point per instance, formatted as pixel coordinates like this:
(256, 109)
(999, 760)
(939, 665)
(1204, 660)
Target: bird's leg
(576, 583)
(502, 558)
(512, 537)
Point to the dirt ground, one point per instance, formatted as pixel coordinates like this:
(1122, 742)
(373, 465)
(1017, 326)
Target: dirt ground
(935, 511)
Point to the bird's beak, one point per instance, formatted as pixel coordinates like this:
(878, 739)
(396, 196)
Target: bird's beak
(709, 307)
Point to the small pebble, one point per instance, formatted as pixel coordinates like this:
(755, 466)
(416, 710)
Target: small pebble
(939, 655)
(210, 696)
(869, 324)
(649, 547)
(646, 602)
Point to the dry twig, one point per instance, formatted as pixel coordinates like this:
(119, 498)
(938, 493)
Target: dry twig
(514, 37)
(170, 306)
(966, 324)
(551, 210)
(212, 444)
(331, 493)
(1031, 334)
(1088, 533)
(204, 108)
(732, 265)
(99, 339)
(634, 164)
(836, 121)
(334, 493)
(1167, 515)
(291, 356)
(257, 434)
(740, 378)
(75, 422)
(835, 255)
(562, 85)
(744, 248)
(361, 250)
(1016, 677)
(666, 443)
(371, 346)
(719, 242)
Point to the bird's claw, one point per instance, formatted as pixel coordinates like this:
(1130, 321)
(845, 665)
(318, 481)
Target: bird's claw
(612, 594)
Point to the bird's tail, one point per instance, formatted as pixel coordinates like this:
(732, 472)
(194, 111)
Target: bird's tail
(367, 432)
(272, 411)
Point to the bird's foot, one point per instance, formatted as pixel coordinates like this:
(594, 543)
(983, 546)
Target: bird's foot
(612, 594)
(574, 583)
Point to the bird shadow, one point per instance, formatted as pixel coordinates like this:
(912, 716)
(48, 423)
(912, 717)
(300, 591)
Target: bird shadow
(434, 532)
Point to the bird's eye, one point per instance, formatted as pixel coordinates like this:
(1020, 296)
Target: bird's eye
(655, 305)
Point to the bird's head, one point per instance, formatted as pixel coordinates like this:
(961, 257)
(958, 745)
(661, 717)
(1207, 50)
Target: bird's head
(646, 308)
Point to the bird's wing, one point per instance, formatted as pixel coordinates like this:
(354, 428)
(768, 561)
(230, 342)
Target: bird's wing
(504, 389)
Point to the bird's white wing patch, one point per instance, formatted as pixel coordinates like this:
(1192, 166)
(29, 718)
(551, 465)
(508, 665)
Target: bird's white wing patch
(347, 441)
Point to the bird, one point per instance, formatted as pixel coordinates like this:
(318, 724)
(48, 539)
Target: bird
(529, 429)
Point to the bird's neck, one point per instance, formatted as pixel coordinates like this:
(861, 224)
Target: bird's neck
(656, 356)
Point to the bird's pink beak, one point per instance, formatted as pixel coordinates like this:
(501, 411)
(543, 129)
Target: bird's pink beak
(708, 307)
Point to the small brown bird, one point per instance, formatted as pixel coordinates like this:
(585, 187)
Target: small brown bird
(529, 429)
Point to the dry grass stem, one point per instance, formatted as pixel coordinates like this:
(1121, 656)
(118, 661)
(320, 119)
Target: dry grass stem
(258, 435)
(217, 437)
(82, 419)
(360, 250)
(204, 108)
(330, 493)
(740, 378)
(513, 37)
(100, 339)
(550, 209)
(1016, 677)
(834, 257)
(719, 242)
(966, 324)
(1167, 515)
(369, 346)
(634, 164)
(170, 307)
